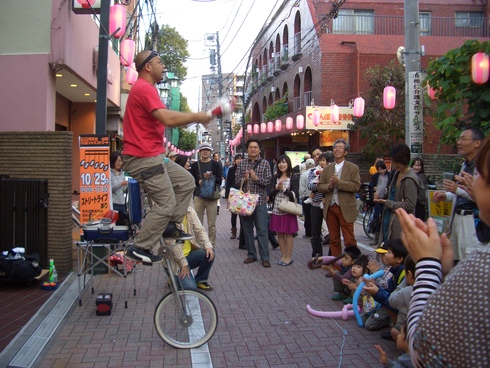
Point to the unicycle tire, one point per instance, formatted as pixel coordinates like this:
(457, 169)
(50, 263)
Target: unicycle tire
(186, 330)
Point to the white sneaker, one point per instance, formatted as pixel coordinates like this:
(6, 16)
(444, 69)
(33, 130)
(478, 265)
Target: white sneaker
(308, 201)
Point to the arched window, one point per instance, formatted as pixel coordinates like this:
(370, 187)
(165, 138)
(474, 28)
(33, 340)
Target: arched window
(308, 86)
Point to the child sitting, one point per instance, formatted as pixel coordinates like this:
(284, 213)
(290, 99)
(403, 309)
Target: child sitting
(359, 269)
(393, 254)
(400, 299)
(351, 253)
(401, 343)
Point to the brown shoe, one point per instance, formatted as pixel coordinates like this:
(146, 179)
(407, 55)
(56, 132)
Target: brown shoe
(249, 260)
(266, 264)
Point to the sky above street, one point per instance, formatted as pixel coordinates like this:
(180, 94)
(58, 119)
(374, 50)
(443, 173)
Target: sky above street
(238, 23)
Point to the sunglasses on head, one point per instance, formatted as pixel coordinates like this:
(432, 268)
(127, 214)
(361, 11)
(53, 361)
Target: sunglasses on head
(147, 60)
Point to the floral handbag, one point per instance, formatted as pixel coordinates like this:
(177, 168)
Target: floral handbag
(242, 203)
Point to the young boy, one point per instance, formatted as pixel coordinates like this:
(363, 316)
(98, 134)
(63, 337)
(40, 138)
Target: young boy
(393, 254)
(351, 253)
(400, 299)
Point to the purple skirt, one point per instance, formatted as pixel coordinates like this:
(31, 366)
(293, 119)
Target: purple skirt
(284, 224)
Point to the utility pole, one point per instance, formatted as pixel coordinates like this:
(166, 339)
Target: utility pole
(101, 104)
(414, 126)
(222, 151)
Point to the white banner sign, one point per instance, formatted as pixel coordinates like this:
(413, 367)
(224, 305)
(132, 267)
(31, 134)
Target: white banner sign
(415, 113)
(345, 118)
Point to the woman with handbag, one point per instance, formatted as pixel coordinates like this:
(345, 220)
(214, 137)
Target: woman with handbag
(285, 224)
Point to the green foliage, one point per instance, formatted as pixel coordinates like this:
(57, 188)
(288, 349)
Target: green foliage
(460, 101)
(277, 109)
(381, 127)
(172, 48)
(187, 140)
(184, 105)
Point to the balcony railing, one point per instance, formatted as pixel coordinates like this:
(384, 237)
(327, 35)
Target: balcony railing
(307, 98)
(297, 103)
(390, 25)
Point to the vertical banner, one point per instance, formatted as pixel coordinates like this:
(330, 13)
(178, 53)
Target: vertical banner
(95, 175)
(415, 114)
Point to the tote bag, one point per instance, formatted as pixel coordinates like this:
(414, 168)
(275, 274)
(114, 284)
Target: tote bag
(293, 208)
(242, 203)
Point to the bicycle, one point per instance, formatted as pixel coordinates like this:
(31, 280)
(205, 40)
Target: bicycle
(184, 319)
(368, 221)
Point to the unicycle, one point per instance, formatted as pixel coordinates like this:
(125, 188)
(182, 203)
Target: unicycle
(184, 319)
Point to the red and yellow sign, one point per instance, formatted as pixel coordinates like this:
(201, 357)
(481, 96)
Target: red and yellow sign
(95, 176)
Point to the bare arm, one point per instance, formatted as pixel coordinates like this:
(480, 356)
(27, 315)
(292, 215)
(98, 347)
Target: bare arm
(173, 118)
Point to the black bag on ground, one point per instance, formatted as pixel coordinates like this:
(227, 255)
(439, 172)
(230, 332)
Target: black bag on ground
(20, 269)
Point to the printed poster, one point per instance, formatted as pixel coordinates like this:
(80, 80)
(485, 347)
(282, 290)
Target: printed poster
(95, 176)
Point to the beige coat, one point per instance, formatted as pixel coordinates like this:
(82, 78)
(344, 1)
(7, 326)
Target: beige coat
(350, 182)
(200, 240)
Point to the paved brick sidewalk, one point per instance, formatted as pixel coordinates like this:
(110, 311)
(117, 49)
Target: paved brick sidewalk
(263, 320)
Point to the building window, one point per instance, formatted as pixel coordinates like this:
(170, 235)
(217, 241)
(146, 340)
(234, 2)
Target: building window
(469, 19)
(352, 21)
(425, 24)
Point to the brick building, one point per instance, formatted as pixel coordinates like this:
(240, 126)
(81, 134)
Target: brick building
(313, 57)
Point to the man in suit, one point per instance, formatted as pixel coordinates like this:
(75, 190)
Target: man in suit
(340, 182)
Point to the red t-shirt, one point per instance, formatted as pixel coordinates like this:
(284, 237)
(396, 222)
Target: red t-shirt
(143, 134)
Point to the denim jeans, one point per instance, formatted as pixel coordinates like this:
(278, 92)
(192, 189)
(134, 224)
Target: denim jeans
(261, 221)
(196, 258)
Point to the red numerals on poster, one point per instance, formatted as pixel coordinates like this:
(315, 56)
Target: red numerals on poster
(95, 177)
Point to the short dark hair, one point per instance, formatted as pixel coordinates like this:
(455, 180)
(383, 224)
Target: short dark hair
(251, 140)
(397, 248)
(476, 132)
(237, 156)
(314, 148)
(409, 265)
(380, 164)
(181, 160)
(114, 156)
(400, 153)
(353, 251)
(325, 156)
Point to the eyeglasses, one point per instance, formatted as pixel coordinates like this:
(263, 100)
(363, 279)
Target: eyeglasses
(459, 139)
(147, 60)
(253, 147)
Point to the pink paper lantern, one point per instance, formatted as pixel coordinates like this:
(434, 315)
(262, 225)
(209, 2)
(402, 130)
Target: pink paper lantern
(359, 107)
(132, 74)
(334, 113)
(480, 68)
(126, 55)
(278, 125)
(256, 128)
(289, 123)
(389, 97)
(270, 127)
(117, 19)
(86, 3)
(316, 118)
(249, 128)
(263, 127)
(300, 122)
